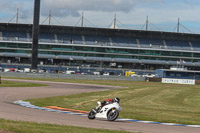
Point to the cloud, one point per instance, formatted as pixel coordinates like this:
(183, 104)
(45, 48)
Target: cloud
(10, 5)
(8, 9)
(73, 7)
(150, 0)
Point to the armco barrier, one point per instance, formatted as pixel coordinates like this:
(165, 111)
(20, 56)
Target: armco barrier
(70, 76)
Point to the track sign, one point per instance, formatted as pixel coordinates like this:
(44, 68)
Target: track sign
(178, 81)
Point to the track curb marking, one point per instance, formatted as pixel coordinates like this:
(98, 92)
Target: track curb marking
(84, 113)
(64, 109)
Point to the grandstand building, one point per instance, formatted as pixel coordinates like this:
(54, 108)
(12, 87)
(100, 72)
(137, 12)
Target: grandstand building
(66, 45)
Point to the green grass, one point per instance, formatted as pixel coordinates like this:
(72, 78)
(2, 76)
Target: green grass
(30, 127)
(19, 84)
(144, 101)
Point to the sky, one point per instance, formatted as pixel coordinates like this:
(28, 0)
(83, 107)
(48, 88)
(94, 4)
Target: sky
(131, 14)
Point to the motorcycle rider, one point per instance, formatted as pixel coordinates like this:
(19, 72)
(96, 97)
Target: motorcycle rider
(103, 103)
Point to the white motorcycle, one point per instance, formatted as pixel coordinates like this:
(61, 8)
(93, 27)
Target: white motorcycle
(109, 112)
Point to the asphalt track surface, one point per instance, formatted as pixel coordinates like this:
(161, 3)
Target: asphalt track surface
(11, 111)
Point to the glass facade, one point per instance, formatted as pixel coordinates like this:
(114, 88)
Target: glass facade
(101, 51)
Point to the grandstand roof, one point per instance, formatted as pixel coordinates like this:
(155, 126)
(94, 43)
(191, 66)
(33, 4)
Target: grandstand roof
(102, 32)
(189, 71)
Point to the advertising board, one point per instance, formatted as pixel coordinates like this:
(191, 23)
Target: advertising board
(178, 81)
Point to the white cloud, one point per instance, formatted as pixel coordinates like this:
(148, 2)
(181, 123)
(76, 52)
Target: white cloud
(72, 7)
(9, 5)
(101, 12)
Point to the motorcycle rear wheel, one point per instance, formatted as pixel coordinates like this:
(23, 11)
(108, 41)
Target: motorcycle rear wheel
(112, 115)
(91, 115)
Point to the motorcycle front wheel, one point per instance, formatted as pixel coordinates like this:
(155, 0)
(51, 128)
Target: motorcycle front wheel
(112, 115)
(91, 114)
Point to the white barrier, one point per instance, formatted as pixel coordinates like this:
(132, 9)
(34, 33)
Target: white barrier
(178, 81)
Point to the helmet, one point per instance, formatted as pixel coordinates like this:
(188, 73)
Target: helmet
(116, 99)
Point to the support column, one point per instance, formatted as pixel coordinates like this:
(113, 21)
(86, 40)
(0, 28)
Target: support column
(1, 38)
(35, 35)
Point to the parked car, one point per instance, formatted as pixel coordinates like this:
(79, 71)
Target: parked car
(70, 72)
(149, 75)
(6, 69)
(27, 70)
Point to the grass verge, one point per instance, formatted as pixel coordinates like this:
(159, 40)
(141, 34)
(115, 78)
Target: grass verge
(19, 84)
(31, 127)
(144, 101)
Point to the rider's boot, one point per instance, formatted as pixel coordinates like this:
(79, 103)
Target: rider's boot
(96, 110)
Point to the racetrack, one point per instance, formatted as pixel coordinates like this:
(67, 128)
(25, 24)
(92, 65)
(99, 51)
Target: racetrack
(10, 111)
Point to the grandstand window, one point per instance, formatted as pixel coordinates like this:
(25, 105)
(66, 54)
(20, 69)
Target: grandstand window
(87, 48)
(178, 75)
(43, 52)
(134, 51)
(21, 51)
(12, 45)
(154, 58)
(146, 57)
(187, 54)
(24, 45)
(53, 53)
(165, 53)
(90, 55)
(197, 75)
(188, 60)
(99, 49)
(174, 59)
(172, 75)
(141, 51)
(44, 46)
(176, 54)
(80, 54)
(109, 50)
(67, 47)
(118, 56)
(195, 60)
(2, 45)
(56, 47)
(63, 53)
(123, 51)
(99, 55)
(191, 75)
(134, 57)
(158, 52)
(67, 53)
(77, 48)
(152, 52)
(196, 54)
(10, 51)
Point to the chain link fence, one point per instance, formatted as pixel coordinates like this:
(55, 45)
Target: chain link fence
(70, 76)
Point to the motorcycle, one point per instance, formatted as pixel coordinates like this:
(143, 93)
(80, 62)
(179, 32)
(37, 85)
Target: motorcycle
(109, 111)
